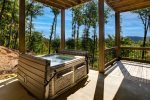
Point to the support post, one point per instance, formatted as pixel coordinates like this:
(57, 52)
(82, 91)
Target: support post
(22, 26)
(117, 34)
(101, 36)
(62, 45)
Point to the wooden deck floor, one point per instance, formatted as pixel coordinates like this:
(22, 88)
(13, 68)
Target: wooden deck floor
(124, 81)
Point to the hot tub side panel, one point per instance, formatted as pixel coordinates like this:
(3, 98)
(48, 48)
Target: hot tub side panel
(32, 74)
(68, 75)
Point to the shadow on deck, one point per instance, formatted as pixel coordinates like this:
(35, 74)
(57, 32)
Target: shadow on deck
(124, 81)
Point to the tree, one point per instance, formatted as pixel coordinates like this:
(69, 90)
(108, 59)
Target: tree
(56, 44)
(2, 9)
(70, 44)
(144, 16)
(36, 42)
(53, 26)
(33, 10)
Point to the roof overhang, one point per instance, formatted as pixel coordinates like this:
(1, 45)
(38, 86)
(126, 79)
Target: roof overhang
(62, 4)
(127, 5)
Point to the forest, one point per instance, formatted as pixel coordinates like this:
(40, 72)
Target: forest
(83, 15)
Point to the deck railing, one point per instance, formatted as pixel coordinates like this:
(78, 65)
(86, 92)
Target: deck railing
(110, 56)
(135, 53)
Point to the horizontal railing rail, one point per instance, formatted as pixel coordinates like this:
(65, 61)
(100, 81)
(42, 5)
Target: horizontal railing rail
(141, 54)
(110, 56)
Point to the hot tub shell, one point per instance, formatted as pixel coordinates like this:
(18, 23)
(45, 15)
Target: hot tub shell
(45, 81)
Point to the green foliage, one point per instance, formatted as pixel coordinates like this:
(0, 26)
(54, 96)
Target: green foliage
(125, 41)
(110, 41)
(36, 43)
(70, 44)
(56, 44)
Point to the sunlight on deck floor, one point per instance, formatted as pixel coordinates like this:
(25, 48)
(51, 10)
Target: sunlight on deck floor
(124, 81)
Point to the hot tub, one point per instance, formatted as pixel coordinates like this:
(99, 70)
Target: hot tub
(50, 75)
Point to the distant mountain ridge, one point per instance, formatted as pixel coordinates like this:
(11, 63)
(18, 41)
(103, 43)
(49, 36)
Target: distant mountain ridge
(136, 38)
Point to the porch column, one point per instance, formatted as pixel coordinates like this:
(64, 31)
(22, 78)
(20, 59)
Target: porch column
(62, 45)
(22, 26)
(101, 36)
(117, 34)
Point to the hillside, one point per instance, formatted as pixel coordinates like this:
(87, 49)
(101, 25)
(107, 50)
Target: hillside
(8, 60)
(136, 38)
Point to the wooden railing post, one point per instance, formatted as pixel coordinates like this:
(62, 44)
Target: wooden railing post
(22, 26)
(101, 36)
(62, 45)
(117, 34)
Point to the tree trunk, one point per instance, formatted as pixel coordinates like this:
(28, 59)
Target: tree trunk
(3, 8)
(15, 41)
(78, 27)
(12, 21)
(144, 41)
(30, 30)
(55, 28)
(51, 34)
(93, 52)
(75, 26)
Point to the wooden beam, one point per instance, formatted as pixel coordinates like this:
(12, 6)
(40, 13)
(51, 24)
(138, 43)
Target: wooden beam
(22, 26)
(74, 1)
(133, 7)
(101, 36)
(117, 34)
(50, 3)
(71, 2)
(62, 46)
(128, 5)
(60, 3)
(66, 2)
(127, 2)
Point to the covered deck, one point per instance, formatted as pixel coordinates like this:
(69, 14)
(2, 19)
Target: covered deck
(122, 81)
(125, 80)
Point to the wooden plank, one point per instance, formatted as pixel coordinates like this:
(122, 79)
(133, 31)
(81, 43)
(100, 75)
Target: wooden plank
(128, 5)
(136, 48)
(71, 2)
(125, 2)
(33, 90)
(32, 69)
(110, 63)
(22, 26)
(64, 2)
(32, 81)
(53, 4)
(34, 59)
(20, 77)
(33, 64)
(144, 74)
(60, 83)
(148, 75)
(30, 74)
(137, 60)
(135, 7)
(101, 36)
(62, 45)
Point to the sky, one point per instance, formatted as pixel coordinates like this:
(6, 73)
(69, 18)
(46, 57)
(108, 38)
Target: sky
(131, 25)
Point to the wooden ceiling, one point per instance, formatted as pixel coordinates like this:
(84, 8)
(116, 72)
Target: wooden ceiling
(128, 5)
(62, 4)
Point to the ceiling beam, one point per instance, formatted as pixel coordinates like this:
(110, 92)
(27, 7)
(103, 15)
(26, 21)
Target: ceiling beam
(133, 7)
(50, 3)
(127, 2)
(62, 4)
